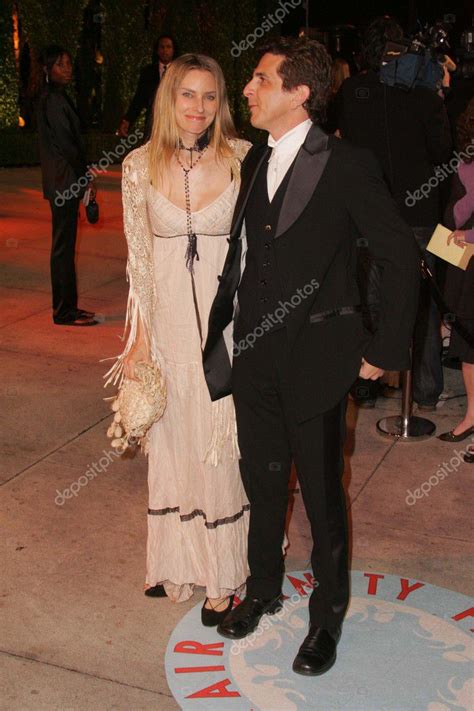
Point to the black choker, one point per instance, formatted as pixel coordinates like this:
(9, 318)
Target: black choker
(200, 144)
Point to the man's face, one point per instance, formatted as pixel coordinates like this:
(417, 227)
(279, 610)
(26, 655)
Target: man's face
(269, 103)
(61, 71)
(165, 50)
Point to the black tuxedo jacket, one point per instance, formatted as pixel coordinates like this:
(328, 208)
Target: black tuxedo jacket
(336, 196)
(62, 149)
(148, 83)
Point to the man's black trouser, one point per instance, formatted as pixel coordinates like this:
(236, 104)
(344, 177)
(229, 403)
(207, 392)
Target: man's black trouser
(269, 439)
(63, 269)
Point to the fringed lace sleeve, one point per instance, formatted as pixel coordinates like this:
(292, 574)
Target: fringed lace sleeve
(140, 258)
(240, 147)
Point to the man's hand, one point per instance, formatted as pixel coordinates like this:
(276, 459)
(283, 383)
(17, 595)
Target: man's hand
(370, 372)
(93, 189)
(122, 130)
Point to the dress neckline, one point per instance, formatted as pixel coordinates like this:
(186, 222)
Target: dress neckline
(195, 212)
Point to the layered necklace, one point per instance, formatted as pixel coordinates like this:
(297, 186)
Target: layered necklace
(200, 148)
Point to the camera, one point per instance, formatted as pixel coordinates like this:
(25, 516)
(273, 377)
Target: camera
(417, 61)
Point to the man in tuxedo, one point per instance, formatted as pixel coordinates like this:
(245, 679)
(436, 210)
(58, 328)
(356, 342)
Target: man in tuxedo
(305, 203)
(164, 51)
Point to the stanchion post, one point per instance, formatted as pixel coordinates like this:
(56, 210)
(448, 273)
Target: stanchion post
(406, 427)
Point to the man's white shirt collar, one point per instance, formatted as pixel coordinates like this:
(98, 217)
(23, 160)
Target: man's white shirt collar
(283, 154)
(292, 138)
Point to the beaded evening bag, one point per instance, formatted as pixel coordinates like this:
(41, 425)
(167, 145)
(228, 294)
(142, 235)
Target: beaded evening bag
(138, 405)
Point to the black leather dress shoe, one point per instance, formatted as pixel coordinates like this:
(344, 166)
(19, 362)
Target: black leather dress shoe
(78, 321)
(317, 654)
(469, 456)
(244, 618)
(82, 314)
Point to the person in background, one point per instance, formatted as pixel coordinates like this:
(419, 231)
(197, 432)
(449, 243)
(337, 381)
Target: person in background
(459, 287)
(340, 72)
(409, 133)
(63, 168)
(164, 51)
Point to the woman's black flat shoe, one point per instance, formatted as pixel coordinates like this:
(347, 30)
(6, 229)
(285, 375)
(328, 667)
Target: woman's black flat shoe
(156, 591)
(450, 437)
(211, 618)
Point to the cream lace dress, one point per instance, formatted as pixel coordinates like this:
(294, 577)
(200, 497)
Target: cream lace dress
(198, 511)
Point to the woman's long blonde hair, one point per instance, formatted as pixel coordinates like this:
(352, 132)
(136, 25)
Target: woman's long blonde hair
(164, 139)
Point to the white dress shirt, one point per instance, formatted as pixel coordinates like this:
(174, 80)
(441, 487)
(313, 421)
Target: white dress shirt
(162, 69)
(283, 154)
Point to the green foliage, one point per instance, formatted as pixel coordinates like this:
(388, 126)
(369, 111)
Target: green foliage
(8, 76)
(126, 47)
(128, 31)
(52, 22)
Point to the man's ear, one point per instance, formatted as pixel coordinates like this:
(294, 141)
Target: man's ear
(301, 94)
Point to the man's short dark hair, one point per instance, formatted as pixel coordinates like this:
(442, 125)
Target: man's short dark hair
(156, 43)
(378, 33)
(305, 62)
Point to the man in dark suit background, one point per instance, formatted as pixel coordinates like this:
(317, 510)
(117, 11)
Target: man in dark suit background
(164, 51)
(299, 340)
(409, 133)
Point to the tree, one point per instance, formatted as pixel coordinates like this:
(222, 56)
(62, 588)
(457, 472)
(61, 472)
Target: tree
(8, 73)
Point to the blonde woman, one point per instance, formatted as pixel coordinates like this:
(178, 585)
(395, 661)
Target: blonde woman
(179, 193)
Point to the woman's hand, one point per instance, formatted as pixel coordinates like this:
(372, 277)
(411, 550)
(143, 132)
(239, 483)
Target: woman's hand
(458, 237)
(138, 353)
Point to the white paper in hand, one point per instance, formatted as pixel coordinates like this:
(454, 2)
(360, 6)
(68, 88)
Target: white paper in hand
(438, 245)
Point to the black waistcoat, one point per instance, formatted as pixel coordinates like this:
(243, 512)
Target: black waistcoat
(259, 291)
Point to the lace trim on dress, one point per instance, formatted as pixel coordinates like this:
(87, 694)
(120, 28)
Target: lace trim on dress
(142, 297)
(199, 512)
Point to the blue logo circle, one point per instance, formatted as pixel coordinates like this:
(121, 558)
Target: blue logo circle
(405, 645)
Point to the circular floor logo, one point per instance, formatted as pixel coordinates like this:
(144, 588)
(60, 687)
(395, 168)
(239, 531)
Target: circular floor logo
(405, 645)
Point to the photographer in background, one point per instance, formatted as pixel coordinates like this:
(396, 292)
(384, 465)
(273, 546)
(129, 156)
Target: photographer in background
(409, 133)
